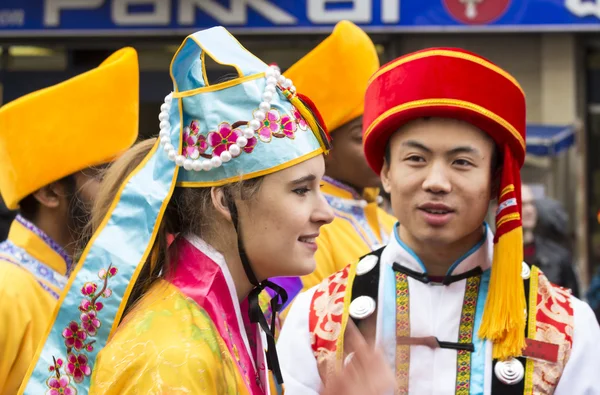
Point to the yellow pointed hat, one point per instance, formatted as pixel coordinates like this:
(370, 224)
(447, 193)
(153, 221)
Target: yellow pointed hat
(336, 72)
(54, 132)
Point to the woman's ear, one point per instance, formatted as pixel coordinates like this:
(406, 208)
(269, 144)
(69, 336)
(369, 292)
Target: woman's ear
(220, 202)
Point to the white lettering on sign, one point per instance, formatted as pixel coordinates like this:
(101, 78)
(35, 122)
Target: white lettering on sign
(582, 8)
(52, 8)
(159, 15)
(360, 11)
(236, 13)
(12, 17)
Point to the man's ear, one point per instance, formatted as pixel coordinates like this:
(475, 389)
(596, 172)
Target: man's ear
(51, 195)
(220, 202)
(385, 176)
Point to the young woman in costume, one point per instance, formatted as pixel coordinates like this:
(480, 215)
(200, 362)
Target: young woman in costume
(235, 176)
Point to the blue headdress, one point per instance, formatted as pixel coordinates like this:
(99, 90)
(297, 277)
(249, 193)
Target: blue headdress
(210, 135)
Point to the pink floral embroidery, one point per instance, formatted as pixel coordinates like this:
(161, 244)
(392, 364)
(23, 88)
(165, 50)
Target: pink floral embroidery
(88, 288)
(288, 126)
(301, 122)
(74, 336)
(77, 367)
(270, 125)
(223, 138)
(60, 386)
(251, 144)
(194, 144)
(90, 322)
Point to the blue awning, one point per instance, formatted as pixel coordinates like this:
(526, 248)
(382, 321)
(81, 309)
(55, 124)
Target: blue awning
(543, 140)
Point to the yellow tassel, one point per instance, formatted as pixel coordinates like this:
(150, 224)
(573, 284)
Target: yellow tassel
(503, 319)
(308, 117)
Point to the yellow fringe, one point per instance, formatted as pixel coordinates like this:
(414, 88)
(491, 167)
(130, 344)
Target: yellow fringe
(503, 319)
(309, 118)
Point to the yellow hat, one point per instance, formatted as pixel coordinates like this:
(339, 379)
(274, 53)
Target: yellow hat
(54, 132)
(335, 74)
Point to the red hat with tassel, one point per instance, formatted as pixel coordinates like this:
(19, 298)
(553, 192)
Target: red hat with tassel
(454, 83)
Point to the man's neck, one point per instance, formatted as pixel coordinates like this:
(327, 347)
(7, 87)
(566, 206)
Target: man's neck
(59, 234)
(438, 259)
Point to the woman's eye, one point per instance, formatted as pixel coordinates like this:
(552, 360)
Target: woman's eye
(301, 191)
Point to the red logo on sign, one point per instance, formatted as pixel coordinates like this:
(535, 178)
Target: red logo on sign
(476, 12)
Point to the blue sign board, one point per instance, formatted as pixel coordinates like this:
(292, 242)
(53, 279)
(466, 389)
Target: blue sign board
(128, 17)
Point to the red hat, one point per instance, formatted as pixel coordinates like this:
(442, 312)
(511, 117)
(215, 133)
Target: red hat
(454, 83)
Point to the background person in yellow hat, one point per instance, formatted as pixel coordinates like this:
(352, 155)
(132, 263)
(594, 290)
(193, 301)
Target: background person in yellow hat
(335, 75)
(53, 145)
(454, 306)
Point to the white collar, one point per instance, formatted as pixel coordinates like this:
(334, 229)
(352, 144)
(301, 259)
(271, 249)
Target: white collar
(480, 255)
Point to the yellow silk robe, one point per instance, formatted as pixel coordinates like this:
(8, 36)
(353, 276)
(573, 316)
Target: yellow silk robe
(32, 274)
(187, 335)
(166, 345)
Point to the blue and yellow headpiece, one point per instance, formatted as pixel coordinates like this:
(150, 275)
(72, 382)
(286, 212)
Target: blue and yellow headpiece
(210, 135)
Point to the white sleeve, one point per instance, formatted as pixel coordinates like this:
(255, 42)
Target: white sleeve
(580, 375)
(298, 363)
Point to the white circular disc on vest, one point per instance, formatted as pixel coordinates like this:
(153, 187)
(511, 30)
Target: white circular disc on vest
(362, 307)
(366, 264)
(525, 271)
(510, 372)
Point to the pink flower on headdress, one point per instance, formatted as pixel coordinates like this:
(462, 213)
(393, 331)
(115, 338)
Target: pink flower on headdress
(223, 138)
(288, 126)
(77, 367)
(90, 322)
(74, 336)
(251, 144)
(269, 125)
(60, 386)
(194, 144)
(194, 127)
(301, 122)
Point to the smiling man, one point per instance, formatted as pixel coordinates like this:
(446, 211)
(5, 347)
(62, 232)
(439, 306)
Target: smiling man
(453, 306)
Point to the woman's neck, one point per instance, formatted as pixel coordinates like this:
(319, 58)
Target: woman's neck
(234, 263)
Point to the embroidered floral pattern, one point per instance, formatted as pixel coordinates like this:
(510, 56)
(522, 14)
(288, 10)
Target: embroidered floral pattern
(77, 367)
(194, 143)
(59, 384)
(553, 324)
(269, 126)
(223, 138)
(76, 334)
(301, 122)
(251, 144)
(287, 127)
